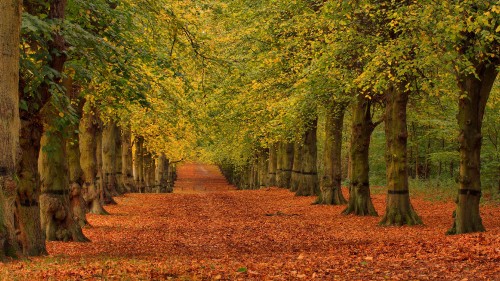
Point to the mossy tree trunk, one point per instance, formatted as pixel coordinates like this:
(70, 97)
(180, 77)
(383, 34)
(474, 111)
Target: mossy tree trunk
(10, 26)
(88, 137)
(399, 210)
(109, 136)
(271, 171)
(360, 202)
(331, 183)
(296, 177)
(285, 158)
(127, 163)
(473, 97)
(309, 185)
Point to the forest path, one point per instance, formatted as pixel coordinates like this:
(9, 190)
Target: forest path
(206, 230)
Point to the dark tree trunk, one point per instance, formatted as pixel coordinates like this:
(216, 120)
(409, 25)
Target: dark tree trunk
(161, 174)
(263, 167)
(286, 160)
(109, 136)
(331, 183)
(139, 163)
(120, 183)
(399, 210)
(473, 97)
(360, 202)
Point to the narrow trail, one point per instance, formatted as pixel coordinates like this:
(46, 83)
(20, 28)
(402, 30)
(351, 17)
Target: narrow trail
(206, 230)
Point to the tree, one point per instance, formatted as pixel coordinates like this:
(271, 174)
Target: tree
(10, 27)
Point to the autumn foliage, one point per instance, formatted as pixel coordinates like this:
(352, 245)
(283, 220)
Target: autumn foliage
(207, 230)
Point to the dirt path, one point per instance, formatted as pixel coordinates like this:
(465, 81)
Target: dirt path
(208, 231)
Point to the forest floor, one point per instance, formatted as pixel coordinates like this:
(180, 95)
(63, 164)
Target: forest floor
(206, 230)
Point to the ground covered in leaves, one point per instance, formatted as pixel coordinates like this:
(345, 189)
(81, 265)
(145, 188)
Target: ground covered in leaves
(207, 230)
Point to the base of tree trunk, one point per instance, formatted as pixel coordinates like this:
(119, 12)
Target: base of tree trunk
(331, 196)
(399, 211)
(33, 240)
(96, 208)
(57, 220)
(466, 217)
(360, 203)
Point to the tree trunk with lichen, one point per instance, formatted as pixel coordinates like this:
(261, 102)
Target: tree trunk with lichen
(88, 129)
(271, 171)
(399, 210)
(474, 95)
(331, 183)
(360, 202)
(9, 125)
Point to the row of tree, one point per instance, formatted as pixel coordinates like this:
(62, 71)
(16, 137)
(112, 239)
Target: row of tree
(92, 107)
(298, 64)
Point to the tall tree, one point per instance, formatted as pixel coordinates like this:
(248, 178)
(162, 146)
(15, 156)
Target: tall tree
(10, 27)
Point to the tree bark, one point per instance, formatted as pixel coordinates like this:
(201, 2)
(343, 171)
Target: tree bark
(120, 184)
(331, 183)
(88, 129)
(285, 158)
(149, 170)
(161, 174)
(473, 97)
(360, 202)
(263, 167)
(9, 127)
(399, 210)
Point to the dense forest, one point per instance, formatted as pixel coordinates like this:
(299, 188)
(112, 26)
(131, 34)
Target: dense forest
(101, 98)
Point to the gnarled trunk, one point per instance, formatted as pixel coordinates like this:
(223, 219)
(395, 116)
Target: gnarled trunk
(331, 183)
(474, 95)
(360, 202)
(399, 210)
(88, 162)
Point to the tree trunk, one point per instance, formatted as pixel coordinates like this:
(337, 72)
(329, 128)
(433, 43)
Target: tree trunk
(149, 170)
(9, 127)
(399, 210)
(109, 136)
(127, 163)
(57, 218)
(285, 158)
(161, 174)
(279, 164)
(88, 161)
(309, 185)
(296, 177)
(331, 183)
(474, 95)
(271, 174)
(73, 157)
(139, 163)
(263, 167)
(360, 202)
(120, 183)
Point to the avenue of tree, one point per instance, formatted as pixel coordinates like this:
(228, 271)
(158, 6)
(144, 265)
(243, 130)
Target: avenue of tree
(100, 98)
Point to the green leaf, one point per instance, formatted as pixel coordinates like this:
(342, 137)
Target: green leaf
(242, 269)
